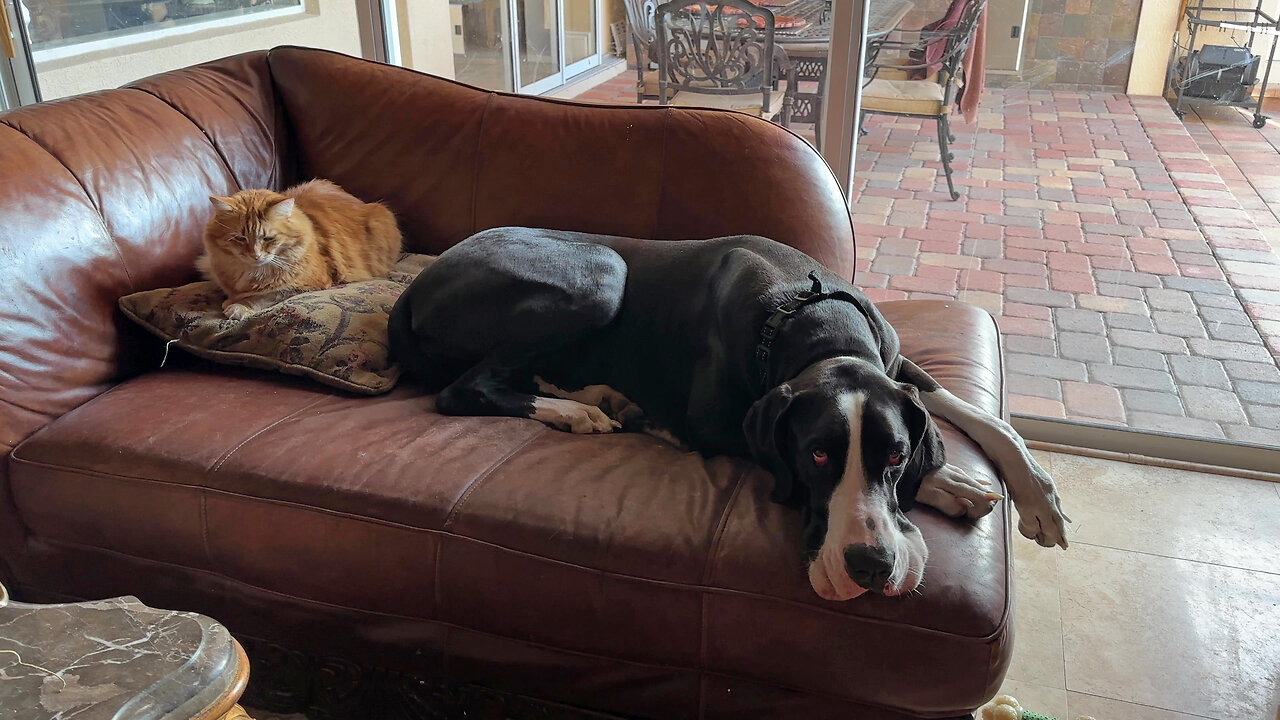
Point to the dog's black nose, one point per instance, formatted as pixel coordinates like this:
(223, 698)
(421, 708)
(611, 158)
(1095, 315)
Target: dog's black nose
(870, 567)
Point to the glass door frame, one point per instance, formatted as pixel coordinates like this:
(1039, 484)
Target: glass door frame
(573, 70)
(18, 85)
(843, 92)
(564, 73)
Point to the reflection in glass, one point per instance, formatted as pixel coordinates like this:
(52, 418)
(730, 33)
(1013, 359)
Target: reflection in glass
(59, 23)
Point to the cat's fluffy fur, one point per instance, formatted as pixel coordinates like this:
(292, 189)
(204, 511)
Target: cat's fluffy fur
(262, 246)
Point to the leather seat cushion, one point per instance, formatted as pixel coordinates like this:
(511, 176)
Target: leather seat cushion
(913, 97)
(618, 552)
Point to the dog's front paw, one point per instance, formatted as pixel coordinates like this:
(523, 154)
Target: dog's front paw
(952, 491)
(1040, 515)
(1041, 519)
(572, 416)
(236, 311)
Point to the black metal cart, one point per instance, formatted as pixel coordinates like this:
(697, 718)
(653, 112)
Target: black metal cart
(1223, 75)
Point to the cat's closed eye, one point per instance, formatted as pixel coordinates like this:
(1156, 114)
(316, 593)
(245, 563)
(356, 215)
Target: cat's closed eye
(240, 238)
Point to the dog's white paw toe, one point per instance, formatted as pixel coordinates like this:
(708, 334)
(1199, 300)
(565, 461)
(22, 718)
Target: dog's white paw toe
(573, 416)
(955, 493)
(1046, 524)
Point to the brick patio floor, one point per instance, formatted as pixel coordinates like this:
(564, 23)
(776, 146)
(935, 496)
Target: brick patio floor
(1125, 256)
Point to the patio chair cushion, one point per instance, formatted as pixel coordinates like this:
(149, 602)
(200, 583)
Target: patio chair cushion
(651, 85)
(909, 97)
(892, 69)
(750, 104)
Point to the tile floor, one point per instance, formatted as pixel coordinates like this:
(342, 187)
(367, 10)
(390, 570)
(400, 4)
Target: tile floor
(1167, 604)
(1130, 258)
(1165, 607)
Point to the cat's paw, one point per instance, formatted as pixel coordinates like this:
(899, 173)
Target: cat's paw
(237, 311)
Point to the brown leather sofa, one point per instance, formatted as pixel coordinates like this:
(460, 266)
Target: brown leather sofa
(605, 572)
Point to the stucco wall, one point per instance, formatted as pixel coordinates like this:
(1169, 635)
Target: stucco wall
(426, 36)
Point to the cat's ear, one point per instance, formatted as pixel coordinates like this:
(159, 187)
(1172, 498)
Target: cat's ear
(281, 210)
(222, 203)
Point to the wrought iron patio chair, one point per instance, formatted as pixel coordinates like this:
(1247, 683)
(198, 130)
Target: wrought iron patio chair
(934, 95)
(719, 55)
(640, 26)
(808, 65)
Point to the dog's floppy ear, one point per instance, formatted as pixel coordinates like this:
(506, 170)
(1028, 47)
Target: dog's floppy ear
(766, 436)
(927, 452)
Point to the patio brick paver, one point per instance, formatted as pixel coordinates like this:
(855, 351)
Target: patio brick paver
(1129, 271)
(1124, 254)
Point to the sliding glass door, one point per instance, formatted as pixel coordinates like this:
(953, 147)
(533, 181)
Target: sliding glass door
(527, 46)
(581, 36)
(536, 26)
(556, 40)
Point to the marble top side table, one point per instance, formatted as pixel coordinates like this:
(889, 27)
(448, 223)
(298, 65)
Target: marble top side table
(116, 659)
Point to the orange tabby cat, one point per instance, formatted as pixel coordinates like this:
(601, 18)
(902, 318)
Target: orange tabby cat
(263, 246)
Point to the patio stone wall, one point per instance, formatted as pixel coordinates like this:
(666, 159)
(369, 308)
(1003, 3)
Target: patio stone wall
(1068, 44)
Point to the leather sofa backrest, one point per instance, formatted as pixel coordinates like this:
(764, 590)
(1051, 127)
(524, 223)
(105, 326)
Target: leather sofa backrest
(107, 194)
(452, 160)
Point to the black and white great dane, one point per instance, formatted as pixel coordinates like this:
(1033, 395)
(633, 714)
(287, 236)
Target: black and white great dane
(739, 346)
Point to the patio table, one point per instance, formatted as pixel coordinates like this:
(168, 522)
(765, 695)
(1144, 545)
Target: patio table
(883, 18)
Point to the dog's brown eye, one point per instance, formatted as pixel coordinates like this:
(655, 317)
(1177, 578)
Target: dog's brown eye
(820, 458)
(895, 458)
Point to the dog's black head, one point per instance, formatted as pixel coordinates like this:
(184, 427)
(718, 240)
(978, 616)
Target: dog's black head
(849, 446)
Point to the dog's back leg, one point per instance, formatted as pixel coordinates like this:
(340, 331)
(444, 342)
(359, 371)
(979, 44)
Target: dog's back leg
(496, 387)
(502, 294)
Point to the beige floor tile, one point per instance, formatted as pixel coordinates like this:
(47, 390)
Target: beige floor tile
(1045, 458)
(1191, 637)
(1079, 704)
(1176, 513)
(1038, 698)
(1037, 616)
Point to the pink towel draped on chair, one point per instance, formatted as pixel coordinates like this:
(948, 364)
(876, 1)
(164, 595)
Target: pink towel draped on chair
(975, 71)
(974, 61)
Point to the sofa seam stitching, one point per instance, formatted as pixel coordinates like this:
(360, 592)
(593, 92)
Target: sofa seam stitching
(452, 625)
(279, 117)
(524, 553)
(208, 138)
(227, 456)
(102, 220)
(475, 177)
(435, 582)
(710, 564)
(204, 528)
(480, 479)
(707, 571)
(662, 174)
(1006, 616)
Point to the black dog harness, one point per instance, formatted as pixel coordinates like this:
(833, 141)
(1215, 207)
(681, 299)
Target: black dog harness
(769, 332)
